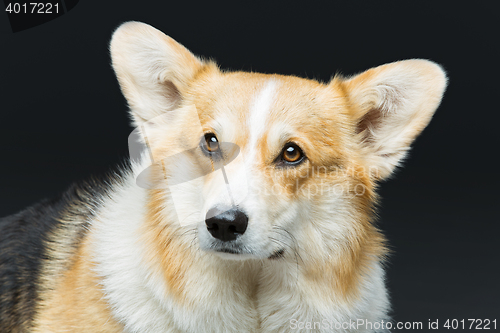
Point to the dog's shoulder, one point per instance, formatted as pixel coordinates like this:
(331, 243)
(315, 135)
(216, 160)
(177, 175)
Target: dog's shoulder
(37, 243)
(21, 243)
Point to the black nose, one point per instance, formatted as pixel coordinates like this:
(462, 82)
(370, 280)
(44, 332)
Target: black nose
(226, 225)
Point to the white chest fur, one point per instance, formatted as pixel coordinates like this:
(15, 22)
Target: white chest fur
(220, 295)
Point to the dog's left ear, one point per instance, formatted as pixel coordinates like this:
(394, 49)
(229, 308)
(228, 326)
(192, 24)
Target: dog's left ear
(152, 68)
(391, 105)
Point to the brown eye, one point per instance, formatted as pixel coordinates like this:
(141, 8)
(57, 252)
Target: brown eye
(212, 144)
(292, 153)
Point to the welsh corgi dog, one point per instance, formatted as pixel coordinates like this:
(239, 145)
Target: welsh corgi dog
(249, 207)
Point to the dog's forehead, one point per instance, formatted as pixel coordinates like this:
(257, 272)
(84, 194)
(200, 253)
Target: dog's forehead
(245, 105)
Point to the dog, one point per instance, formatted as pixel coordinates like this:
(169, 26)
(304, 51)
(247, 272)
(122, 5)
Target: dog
(249, 207)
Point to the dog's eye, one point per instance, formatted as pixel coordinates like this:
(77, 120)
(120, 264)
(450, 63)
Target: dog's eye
(211, 143)
(292, 154)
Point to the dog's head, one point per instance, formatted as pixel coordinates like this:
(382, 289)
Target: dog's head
(268, 166)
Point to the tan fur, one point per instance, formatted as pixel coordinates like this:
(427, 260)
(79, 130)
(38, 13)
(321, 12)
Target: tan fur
(167, 255)
(77, 304)
(341, 273)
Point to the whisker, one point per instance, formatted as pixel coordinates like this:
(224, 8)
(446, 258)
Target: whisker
(180, 222)
(294, 248)
(293, 240)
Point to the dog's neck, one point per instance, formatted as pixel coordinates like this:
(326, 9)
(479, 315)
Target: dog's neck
(231, 293)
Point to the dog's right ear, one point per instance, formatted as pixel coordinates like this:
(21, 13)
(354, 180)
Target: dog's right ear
(153, 69)
(391, 105)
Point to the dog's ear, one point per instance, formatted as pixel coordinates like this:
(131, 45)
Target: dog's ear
(391, 105)
(153, 69)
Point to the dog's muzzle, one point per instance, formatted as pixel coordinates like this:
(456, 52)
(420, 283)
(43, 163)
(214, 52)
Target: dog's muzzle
(226, 225)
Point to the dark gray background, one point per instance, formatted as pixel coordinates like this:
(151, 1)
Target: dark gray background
(63, 117)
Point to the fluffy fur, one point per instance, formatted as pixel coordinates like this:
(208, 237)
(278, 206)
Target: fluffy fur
(132, 259)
